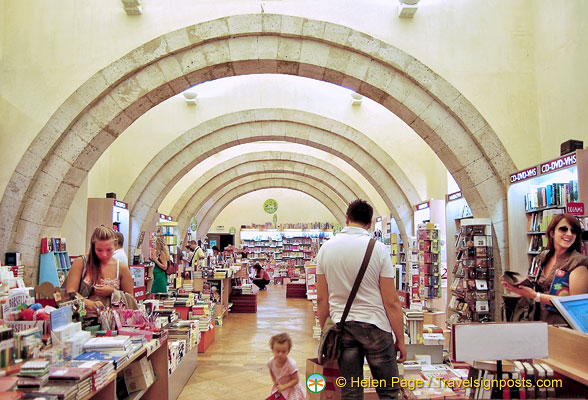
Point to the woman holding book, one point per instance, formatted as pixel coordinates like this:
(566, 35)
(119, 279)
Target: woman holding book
(562, 270)
(96, 276)
(160, 259)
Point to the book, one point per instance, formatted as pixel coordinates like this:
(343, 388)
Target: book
(107, 343)
(117, 358)
(69, 373)
(7, 383)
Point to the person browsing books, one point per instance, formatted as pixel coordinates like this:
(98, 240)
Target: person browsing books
(562, 270)
(261, 277)
(197, 253)
(375, 313)
(160, 257)
(103, 274)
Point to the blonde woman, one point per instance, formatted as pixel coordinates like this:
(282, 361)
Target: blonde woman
(160, 259)
(99, 274)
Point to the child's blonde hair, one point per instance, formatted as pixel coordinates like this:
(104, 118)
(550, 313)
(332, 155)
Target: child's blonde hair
(281, 338)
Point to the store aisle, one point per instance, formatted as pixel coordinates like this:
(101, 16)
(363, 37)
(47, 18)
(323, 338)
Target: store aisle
(234, 366)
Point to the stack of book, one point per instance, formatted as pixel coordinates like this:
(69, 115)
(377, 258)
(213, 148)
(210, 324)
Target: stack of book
(60, 392)
(414, 321)
(316, 328)
(433, 335)
(33, 374)
(101, 371)
(80, 378)
(220, 273)
(169, 302)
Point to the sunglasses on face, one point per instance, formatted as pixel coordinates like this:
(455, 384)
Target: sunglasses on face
(564, 229)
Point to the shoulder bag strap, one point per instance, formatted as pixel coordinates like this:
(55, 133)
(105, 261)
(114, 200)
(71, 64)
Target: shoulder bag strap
(84, 268)
(360, 274)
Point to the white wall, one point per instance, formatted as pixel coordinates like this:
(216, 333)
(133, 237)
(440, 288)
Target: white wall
(293, 207)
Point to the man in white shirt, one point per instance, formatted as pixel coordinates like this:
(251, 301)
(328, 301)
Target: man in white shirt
(376, 311)
(119, 254)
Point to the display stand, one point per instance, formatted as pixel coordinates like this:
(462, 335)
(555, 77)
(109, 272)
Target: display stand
(54, 267)
(472, 286)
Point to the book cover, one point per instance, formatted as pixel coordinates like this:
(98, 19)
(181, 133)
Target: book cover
(69, 373)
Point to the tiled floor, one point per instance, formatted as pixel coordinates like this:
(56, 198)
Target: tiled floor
(234, 366)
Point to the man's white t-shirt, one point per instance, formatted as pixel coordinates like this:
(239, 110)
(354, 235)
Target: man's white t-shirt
(339, 259)
(120, 255)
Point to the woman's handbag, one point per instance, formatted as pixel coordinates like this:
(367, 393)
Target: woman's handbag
(329, 347)
(171, 267)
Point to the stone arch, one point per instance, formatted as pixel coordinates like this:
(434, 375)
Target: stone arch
(212, 208)
(298, 163)
(205, 187)
(49, 174)
(212, 136)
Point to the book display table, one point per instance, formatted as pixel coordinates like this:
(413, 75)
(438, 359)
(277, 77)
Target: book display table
(206, 340)
(296, 290)
(244, 303)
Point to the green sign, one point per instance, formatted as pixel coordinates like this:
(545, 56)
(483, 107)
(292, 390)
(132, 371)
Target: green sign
(193, 224)
(270, 206)
(232, 230)
(336, 229)
(275, 220)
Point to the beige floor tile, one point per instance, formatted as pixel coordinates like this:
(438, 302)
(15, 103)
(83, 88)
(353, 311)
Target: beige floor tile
(234, 366)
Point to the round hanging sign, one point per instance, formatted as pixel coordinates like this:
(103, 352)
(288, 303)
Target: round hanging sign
(232, 230)
(193, 224)
(270, 206)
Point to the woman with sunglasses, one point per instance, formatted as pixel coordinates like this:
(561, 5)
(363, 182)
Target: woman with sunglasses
(563, 271)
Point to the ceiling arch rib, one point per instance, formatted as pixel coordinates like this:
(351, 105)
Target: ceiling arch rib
(213, 207)
(295, 162)
(248, 126)
(51, 171)
(205, 188)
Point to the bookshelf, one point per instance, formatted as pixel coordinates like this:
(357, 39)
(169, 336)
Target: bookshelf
(310, 269)
(472, 287)
(429, 245)
(168, 231)
(535, 196)
(54, 267)
(292, 247)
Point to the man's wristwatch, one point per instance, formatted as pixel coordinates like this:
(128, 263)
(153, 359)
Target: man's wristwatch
(538, 298)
